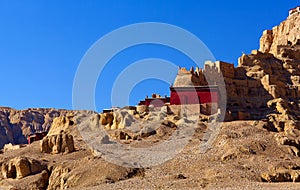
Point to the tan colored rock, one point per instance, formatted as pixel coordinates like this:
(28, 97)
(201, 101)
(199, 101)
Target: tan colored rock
(60, 143)
(10, 147)
(40, 183)
(122, 119)
(63, 123)
(284, 35)
(146, 132)
(18, 124)
(141, 109)
(106, 118)
(57, 178)
(21, 167)
(295, 175)
(122, 135)
(278, 176)
(165, 130)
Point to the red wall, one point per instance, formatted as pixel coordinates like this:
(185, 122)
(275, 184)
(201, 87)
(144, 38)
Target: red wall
(193, 97)
(36, 137)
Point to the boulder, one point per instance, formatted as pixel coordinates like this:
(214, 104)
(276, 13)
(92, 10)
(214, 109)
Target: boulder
(21, 167)
(146, 132)
(278, 176)
(169, 124)
(40, 182)
(142, 109)
(9, 147)
(282, 172)
(122, 119)
(106, 118)
(57, 178)
(122, 135)
(55, 144)
(63, 123)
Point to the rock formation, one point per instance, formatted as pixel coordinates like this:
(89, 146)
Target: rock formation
(21, 167)
(56, 180)
(272, 72)
(62, 124)
(59, 143)
(282, 38)
(287, 172)
(16, 125)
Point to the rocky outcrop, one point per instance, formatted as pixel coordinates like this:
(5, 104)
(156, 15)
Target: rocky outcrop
(62, 124)
(106, 119)
(10, 147)
(20, 167)
(40, 182)
(119, 119)
(16, 125)
(280, 176)
(282, 172)
(59, 143)
(286, 35)
(57, 179)
(9, 133)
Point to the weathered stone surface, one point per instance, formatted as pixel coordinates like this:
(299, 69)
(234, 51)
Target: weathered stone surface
(282, 172)
(141, 109)
(284, 35)
(278, 176)
(10, 147)
(57, 178)
(16, 125)
(21, 167)
(146, 132)
(122, 135)
(40, 183)
(106, 118)
(122, 119)
(169, 123)
(60, 143)
(63, 123)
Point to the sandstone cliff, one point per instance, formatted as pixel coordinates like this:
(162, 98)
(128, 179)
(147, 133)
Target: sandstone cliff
(285, 35)
(16, 125)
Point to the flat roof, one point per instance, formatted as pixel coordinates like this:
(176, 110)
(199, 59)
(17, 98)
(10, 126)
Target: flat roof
(161, 98)
(213, 87)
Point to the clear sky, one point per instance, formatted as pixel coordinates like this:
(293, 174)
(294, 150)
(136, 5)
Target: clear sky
(42, 42)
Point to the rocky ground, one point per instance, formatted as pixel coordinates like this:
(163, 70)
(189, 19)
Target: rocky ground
(245, 155)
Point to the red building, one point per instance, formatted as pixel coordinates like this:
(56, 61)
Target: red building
(202, 95)
(194, 95)
(36, 137)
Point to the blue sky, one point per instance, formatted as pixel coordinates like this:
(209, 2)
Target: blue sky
(42, 42)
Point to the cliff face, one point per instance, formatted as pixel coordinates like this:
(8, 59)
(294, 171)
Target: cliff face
(287, 34)
(16, 125)
(277, 64)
